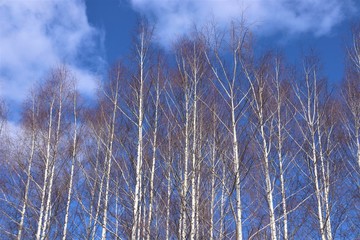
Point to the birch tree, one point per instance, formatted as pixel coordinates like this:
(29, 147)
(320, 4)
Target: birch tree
(351, 95)
(113, 97)
(228, 82)
(72, 168)
(142, 51)
(261, 101)
(56, 92)
(158, 90)
(311, 100)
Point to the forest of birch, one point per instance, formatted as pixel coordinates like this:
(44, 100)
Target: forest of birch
(209, 139)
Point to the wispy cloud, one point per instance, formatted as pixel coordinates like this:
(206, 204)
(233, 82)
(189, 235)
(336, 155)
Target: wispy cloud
(36, 35)
(177, 17)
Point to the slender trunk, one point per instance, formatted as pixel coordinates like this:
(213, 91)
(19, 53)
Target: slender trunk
(194, 167)
(328, 210)
(197, 206)
(140, 219)
(283, 194)
(325, 183)
(28, 174)
(153, 162)
(222, 202)
(46, 173)
(91, 218)
(279, 101)
(317, 188)
(48, 208)
(237, 172)
(266, 150)
(98, 205)
(47, 216)
(109, 162)
(269, 189)
(71, 172)
(116, 207)
(198, 167)
(168, 204)
(139, 159)
(212, 203)
(186, 162)
(168, 185)
(313, 104)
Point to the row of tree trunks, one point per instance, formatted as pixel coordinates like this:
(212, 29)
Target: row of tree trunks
(218, 143)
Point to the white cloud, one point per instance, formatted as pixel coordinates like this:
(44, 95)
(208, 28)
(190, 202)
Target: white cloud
(36, 35)
(176, 17)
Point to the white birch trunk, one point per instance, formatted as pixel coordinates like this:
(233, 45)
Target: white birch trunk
(46, 173)
(186, 162)
(194, 165)
(168, 186)
(48, 204)
(116, 207)
(153, 164)
(68, 202)
(138, 187)
(28, 174)
(47, 215)
(280, 127)
(317, 189)
(197, 206)
(283, 193)
(222, 202)
(98, 205)
(212, 200)
(269, 188)
(239, 235)
(140, 227)
(168, 205)
(109, 162)
(91, 218)
(325, 183)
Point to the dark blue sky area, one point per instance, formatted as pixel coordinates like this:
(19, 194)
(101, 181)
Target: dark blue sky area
(117, 19)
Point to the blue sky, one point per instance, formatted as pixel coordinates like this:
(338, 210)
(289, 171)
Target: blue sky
(89, 35)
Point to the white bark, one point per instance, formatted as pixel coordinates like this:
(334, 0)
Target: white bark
(28, 174)
(168, 178)
(139, 159)
(280, 127)
(257, 85)
(194, 162)
(269, 187)
(168, 204)
(317, 189)
(98, 205)
(309, 110)
(212, 198)
(184, 189)
(46, 173)
(47, 215)
(222, 202)
(153, 164)
(186, 163)
(73, 158)
(228, 90)
(237, 174)
(109, 156)
(89, 229)
(116, 207)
